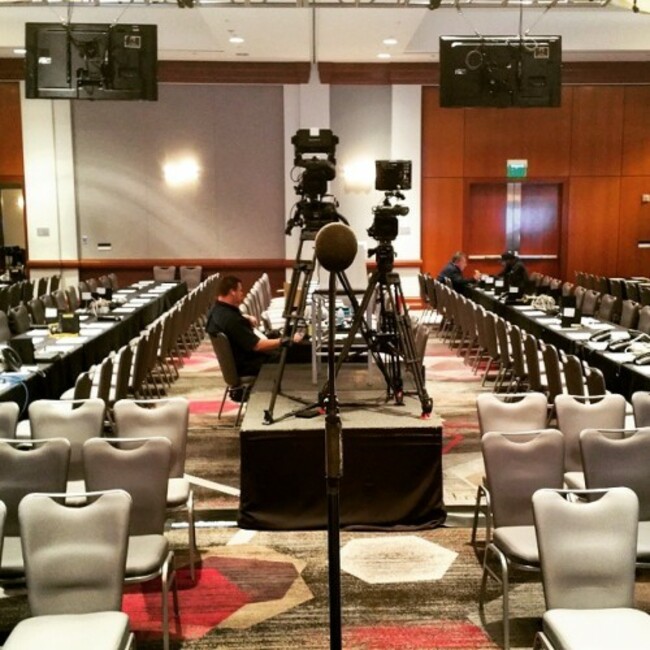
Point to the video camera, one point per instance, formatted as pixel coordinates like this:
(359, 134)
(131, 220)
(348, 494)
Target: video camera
(311, 212)
(391, 176)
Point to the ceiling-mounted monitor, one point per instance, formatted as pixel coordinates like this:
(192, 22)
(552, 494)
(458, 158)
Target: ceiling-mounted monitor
(91, 61)
(500, 71)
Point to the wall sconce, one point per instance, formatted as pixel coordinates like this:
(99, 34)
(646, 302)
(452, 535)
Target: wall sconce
(181, 172)
(359, 175)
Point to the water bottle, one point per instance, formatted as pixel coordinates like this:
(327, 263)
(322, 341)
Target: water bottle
(340, 317)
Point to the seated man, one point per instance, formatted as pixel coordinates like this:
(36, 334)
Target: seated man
(250, 348)
(514, 270)
(454, 272)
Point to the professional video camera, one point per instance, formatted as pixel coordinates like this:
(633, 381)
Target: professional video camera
(390, 176)
(312, 211)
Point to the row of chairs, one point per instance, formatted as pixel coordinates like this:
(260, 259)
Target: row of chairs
(638, 291)
(140, 468)
(191, 275)
(23, 291)
(510, 358)
(520, 464)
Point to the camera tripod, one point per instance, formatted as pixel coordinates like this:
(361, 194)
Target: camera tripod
(392, 341)
(389, 344)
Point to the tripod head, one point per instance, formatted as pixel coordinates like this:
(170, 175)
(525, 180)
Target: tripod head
(315, 157)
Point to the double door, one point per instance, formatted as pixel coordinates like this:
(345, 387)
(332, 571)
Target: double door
(525, 217)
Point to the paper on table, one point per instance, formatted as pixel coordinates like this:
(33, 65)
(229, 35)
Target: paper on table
(124, 310)
(535, 312)
(578, 336)
(620, 357)
(548, 321)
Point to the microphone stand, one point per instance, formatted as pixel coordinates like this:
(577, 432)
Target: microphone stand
(333, 473)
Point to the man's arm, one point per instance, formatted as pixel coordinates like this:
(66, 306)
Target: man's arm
(268, 345)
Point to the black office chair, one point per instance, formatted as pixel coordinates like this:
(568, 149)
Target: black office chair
(237, 388)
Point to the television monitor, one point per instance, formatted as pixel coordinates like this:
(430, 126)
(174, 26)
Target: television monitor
(500, 71)
(91, 61)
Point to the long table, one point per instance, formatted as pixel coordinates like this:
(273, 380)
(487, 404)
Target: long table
(621, 376)
(392, 458)
(142, 303)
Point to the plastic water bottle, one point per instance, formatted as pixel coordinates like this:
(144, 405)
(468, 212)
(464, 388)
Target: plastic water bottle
(340, 317)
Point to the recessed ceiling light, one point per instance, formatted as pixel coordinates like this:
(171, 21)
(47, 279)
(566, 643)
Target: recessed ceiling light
(20, 50)
(237, 40)
(383, 55)
(390, 41)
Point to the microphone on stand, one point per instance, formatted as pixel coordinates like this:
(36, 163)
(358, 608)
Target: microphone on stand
(335, 248)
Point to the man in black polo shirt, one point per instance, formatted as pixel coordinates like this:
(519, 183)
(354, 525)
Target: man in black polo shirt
(250, 348)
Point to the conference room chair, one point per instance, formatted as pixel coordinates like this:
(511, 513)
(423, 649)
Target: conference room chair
(83, 288)
(481, 353)
(644, 294)
(5, 332)
(61, 300)
(580, 278)
(164, 273)
(494, 360)
(515, 468)
(105, 282)
(36, 311)
(119, 383)
(234, 383)
(27, 291)
(632, 290)
(41, 286)
(82, 386)
(74, 568)
(53, 283)
(617, 288)
(587, 553)
(510, 413)
(142, 470)
(621, 457)
(580, 293)
(15, 295)
(590, 303)
(595, 381)
(601, 284)
(567, 289)
(74, 420)
(168, 418)
(72, 298)
(609, 308)
(93, 284)
(48, 301)
(9, 413)
(574, 414)
(629, 314)
(641, 408)
(191, 275)
(506, 366)
(644, 320)
(115, 284)
(590, 281)
(26, 467)
(19, 321)
(535, 375)
(553, 363)
(575, 380)
(4, 299)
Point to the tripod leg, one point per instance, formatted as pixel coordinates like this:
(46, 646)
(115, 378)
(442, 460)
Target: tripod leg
(408, 349)
(292, 317)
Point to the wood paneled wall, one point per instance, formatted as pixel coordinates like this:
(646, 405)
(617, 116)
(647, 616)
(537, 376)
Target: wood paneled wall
(11, 141)
(597, 144)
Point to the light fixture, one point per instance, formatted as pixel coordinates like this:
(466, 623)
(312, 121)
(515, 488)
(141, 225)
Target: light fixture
(184, 171)
(359, 175)
(390, 41)
(236, 40)
(20, 50)
(383, 55)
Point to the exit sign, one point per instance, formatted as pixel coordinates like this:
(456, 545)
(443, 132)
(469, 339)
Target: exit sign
(516, 168)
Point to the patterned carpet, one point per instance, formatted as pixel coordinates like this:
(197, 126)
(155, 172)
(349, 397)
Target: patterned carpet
(259, 590)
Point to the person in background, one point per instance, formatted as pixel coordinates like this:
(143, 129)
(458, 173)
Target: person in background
(250, 347)
(514, 270)
(454, 272)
